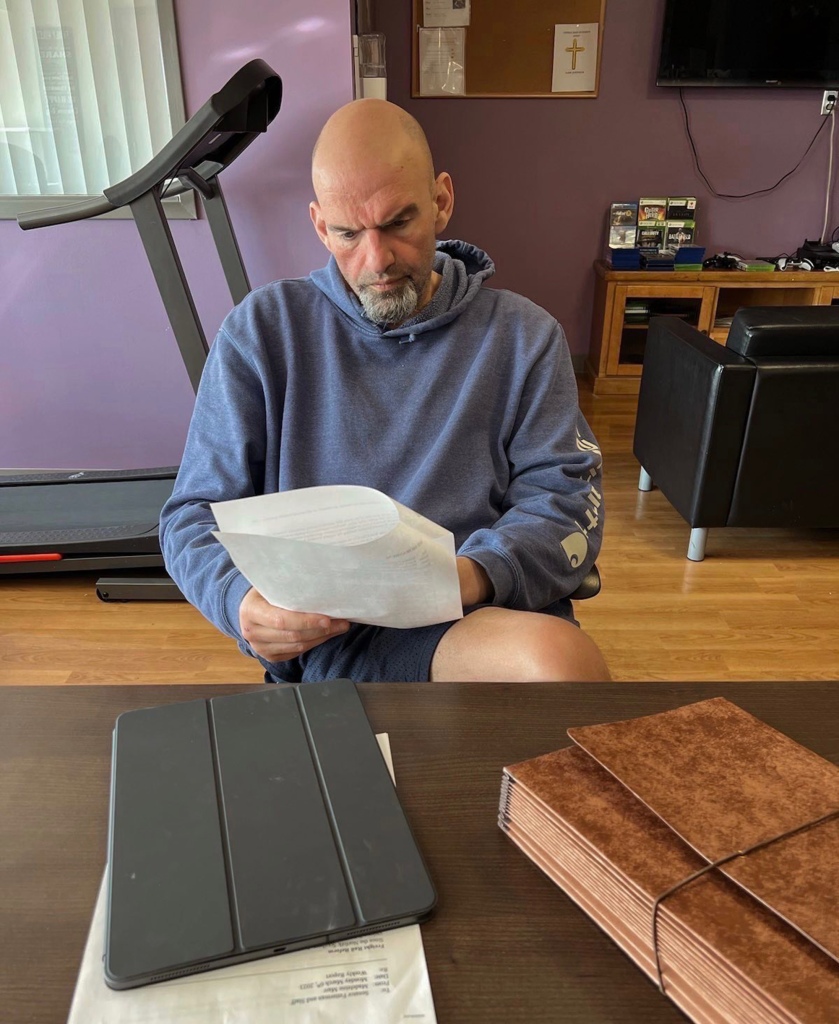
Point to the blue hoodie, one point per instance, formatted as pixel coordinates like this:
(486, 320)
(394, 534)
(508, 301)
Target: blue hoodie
(466, 413)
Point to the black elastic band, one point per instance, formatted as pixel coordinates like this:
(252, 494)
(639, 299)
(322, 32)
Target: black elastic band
(709, 867)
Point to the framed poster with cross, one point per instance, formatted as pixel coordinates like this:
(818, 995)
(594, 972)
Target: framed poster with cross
(526, 48)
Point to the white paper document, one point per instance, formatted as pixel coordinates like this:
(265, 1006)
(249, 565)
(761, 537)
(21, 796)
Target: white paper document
(445, 12)
(344, 551)
(441, 61)
(373, 979)
(575, 58)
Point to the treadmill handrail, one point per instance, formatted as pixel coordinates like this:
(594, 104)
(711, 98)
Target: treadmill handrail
(65, 214)
(98, 205)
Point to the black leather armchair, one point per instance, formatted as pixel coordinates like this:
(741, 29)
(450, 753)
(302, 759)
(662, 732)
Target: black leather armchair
(745, 434)
(589, 586)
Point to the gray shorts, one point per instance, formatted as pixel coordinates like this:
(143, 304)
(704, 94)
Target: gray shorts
(375, 654)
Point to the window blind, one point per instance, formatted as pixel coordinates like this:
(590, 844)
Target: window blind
(84, 94)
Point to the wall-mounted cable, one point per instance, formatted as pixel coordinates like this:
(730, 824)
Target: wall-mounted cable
(832, 116)
(743, 195)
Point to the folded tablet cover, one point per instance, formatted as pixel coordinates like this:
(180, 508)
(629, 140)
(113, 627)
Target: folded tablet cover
(247, 825)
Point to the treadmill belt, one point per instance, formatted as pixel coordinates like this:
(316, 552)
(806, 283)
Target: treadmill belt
(90, 519)
(71, 476)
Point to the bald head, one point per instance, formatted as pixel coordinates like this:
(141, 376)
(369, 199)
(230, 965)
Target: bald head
(369, 137)
(379, 207)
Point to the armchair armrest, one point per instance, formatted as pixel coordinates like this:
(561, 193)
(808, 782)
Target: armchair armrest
(692, 411)
(589, 585)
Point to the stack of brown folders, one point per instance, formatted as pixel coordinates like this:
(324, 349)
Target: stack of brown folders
(636, 808)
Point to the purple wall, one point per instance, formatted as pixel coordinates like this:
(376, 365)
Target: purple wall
(90, 375)
(534, 177)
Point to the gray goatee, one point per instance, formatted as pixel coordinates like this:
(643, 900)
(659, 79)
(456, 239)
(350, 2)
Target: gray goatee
(391, 308)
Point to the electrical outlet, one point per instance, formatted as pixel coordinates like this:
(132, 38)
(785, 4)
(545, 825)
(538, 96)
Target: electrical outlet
(829, 100)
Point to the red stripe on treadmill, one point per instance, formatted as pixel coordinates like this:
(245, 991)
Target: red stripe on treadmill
(45, 556)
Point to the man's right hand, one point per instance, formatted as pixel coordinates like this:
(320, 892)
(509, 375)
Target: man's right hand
(278, 634)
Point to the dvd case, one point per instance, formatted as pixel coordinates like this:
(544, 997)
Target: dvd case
(651, 237)
(623, 214)
(652, 211)
(622, 237)
(678, 233)
(681, 208)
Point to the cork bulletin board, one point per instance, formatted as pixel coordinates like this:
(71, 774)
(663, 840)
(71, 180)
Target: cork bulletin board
(508, 49)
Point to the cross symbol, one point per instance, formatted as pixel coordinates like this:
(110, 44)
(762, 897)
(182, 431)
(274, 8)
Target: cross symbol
(574, 50)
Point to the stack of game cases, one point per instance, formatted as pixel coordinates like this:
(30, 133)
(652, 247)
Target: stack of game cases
(625, 258)
(685, 257)
(658, 259)
(646, 233)
(706, 845)
(689, 257)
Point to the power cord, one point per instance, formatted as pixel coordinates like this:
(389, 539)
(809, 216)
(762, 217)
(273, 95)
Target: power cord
(760, 191)
(832, 116)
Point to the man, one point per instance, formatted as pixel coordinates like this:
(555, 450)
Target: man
(393, 368)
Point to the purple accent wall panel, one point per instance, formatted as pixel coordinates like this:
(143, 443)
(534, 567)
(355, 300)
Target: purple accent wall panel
(90, 375)
(534, 177)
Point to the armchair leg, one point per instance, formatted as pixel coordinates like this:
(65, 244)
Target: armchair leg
(645, 481)
(696, 546)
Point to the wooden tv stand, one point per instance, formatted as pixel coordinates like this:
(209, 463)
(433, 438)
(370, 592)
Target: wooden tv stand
(624, 300)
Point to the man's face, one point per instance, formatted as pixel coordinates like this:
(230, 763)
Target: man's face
(381, 227)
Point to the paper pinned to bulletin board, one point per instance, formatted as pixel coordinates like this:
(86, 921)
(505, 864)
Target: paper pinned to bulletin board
(575, 58)
(441, 61)
(451, 13)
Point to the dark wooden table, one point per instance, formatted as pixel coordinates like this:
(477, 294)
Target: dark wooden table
(505, 943)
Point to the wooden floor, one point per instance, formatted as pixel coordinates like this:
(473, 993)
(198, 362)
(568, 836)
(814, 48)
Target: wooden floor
(763, 605)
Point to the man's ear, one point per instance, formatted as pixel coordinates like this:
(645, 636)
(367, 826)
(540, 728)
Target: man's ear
(444, 200)
(319, 223)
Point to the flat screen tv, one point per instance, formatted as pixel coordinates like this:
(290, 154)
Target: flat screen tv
(756, 43)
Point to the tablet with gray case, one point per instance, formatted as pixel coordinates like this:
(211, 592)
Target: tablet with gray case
(250, 825)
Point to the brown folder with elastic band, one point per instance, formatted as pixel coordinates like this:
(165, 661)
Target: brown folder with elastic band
(706, 844)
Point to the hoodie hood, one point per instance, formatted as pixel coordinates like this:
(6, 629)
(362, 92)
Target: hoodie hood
(463, 269)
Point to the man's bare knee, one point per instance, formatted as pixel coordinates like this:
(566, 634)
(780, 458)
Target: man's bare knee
(500, 645)
(561, 652)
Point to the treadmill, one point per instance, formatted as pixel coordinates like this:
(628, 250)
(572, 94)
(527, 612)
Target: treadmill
(91, 520)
